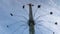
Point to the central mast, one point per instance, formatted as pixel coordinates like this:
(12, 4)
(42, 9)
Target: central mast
(31, 20)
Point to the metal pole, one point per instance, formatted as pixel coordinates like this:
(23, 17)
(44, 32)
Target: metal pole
(31, 21)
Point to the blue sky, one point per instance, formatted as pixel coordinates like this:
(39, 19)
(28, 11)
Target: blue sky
(18, 24)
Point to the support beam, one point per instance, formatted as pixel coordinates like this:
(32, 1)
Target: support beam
(31, 21)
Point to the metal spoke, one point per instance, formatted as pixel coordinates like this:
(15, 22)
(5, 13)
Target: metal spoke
(15, 23)
(24, 29)
(38, 21)
(38, 29)
(25, 9)
(19, 28)
(39, 17)
(44, 26)
(19, 16)
(35, 12)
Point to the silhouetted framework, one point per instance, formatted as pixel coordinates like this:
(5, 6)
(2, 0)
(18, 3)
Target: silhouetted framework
(31, 20)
